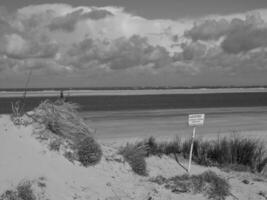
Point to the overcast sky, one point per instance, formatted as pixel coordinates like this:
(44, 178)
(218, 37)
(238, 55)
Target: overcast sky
(133, 43)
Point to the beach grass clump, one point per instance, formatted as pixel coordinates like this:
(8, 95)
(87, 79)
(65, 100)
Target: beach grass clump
(233, 150)
(135, 155)
(208, 183)
(62, 119)
(22, 192)
(89, 152)
(156, 148)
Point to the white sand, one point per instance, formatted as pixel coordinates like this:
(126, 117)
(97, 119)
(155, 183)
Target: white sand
(24, 157)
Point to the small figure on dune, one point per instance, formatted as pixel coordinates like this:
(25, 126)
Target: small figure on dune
(61, 98)
(61, 94)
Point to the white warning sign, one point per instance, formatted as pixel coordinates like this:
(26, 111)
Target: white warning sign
(196, 119)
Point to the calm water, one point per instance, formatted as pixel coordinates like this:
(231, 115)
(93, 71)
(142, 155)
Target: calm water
(151, 102)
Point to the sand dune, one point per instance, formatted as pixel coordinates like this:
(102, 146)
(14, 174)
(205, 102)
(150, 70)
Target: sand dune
(24, 157)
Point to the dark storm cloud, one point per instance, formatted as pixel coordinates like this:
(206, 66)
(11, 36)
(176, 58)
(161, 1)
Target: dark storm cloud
(68, 22)
(244, 39)
(208, 30)
(239, 35)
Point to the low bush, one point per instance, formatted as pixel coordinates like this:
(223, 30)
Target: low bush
(9, 195)
(89, 151)
(135, 155)
(23, 192)
(208, 183)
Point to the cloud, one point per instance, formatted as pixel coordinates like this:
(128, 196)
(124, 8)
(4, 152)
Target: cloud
(244, 38)
(17, 47)
(118, 54)
(193, 50)
(68, 22)
(210, 29)
(113, 44)
(238, 35)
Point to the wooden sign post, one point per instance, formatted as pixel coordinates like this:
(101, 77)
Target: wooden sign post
(194, 120)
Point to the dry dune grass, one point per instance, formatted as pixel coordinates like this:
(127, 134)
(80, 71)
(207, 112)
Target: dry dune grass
(62, 119)
(236, 152)
(135, 156)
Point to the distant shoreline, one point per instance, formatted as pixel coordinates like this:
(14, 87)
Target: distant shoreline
(123, 92)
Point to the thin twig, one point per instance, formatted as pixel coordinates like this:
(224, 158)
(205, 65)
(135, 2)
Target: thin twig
(25, 90)
(177, 160)
(234, 197)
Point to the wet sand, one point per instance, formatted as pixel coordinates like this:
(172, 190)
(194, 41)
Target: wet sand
(169, 123)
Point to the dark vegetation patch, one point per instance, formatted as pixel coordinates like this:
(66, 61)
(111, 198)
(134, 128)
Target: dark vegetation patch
(89, 152)
(208, 183)
(22, 192)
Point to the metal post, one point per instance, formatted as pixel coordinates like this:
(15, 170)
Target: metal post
(191, 150)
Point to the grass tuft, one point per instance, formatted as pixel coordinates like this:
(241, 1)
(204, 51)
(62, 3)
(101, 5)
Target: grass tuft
(135, 156)
(161, 148)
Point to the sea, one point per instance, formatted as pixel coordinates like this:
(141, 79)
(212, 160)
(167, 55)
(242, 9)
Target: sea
(128, 99)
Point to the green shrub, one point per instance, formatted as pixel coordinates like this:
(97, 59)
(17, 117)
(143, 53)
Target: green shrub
(89, 152)
(208, 183)
(135, 156)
